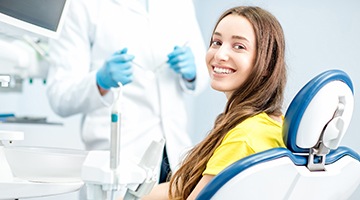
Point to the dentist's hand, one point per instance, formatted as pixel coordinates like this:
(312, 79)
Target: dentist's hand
(181, 60)
(116, 69)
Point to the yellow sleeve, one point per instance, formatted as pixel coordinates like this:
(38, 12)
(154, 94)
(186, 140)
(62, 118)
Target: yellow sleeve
(233, 147)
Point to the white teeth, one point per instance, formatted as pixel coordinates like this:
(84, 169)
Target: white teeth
(222, 70)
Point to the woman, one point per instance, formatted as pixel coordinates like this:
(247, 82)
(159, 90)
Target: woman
(246, 61)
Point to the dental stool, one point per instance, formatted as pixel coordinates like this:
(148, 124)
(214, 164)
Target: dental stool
(313, 166)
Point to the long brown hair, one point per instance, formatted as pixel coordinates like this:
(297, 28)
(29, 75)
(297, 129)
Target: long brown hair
(261, 92)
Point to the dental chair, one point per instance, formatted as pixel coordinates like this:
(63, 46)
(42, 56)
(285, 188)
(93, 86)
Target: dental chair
(313, 166)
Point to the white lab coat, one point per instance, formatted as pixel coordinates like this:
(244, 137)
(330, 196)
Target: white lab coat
(152, 108)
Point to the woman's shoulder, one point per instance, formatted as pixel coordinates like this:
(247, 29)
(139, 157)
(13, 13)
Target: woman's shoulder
(261, 119)
(257, 124)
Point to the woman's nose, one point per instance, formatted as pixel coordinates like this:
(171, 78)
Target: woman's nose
(222, 54)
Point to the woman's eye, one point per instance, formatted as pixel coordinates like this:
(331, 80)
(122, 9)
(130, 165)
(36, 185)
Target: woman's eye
(216, 43)
(239, 46)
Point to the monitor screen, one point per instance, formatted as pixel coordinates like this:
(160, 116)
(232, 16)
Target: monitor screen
(44, 17)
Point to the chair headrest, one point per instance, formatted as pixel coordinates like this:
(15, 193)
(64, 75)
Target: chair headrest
(321, 110)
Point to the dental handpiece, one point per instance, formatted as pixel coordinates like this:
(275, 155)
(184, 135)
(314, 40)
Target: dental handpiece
(115, 140)
(115, 131)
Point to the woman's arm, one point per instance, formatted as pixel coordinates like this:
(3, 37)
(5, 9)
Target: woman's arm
(203, 181)
(159, 192)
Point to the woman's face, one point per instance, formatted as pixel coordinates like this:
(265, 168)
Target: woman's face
(232, 53)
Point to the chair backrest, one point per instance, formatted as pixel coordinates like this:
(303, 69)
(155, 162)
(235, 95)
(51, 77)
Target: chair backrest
(313, 166)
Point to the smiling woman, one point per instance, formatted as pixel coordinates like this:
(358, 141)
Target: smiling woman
(232, 54)
(246, 61)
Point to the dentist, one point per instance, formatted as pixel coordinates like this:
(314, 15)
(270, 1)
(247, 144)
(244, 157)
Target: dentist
(139, 43)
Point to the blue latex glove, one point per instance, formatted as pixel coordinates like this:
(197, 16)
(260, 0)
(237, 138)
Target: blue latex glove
(181, 60)
(116, 69)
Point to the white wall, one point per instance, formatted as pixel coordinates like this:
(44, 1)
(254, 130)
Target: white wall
(320, 35)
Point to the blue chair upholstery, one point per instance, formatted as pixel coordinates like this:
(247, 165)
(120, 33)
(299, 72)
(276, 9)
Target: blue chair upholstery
(313, 166)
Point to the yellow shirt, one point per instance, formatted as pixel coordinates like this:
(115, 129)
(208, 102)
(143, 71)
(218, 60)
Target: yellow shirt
(253, 135)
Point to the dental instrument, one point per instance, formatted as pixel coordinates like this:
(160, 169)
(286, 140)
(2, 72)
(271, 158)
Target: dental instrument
(115, 138)
(163, 63)
(37, 47)
(103, 173)
(151, 73)
(101, 168)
